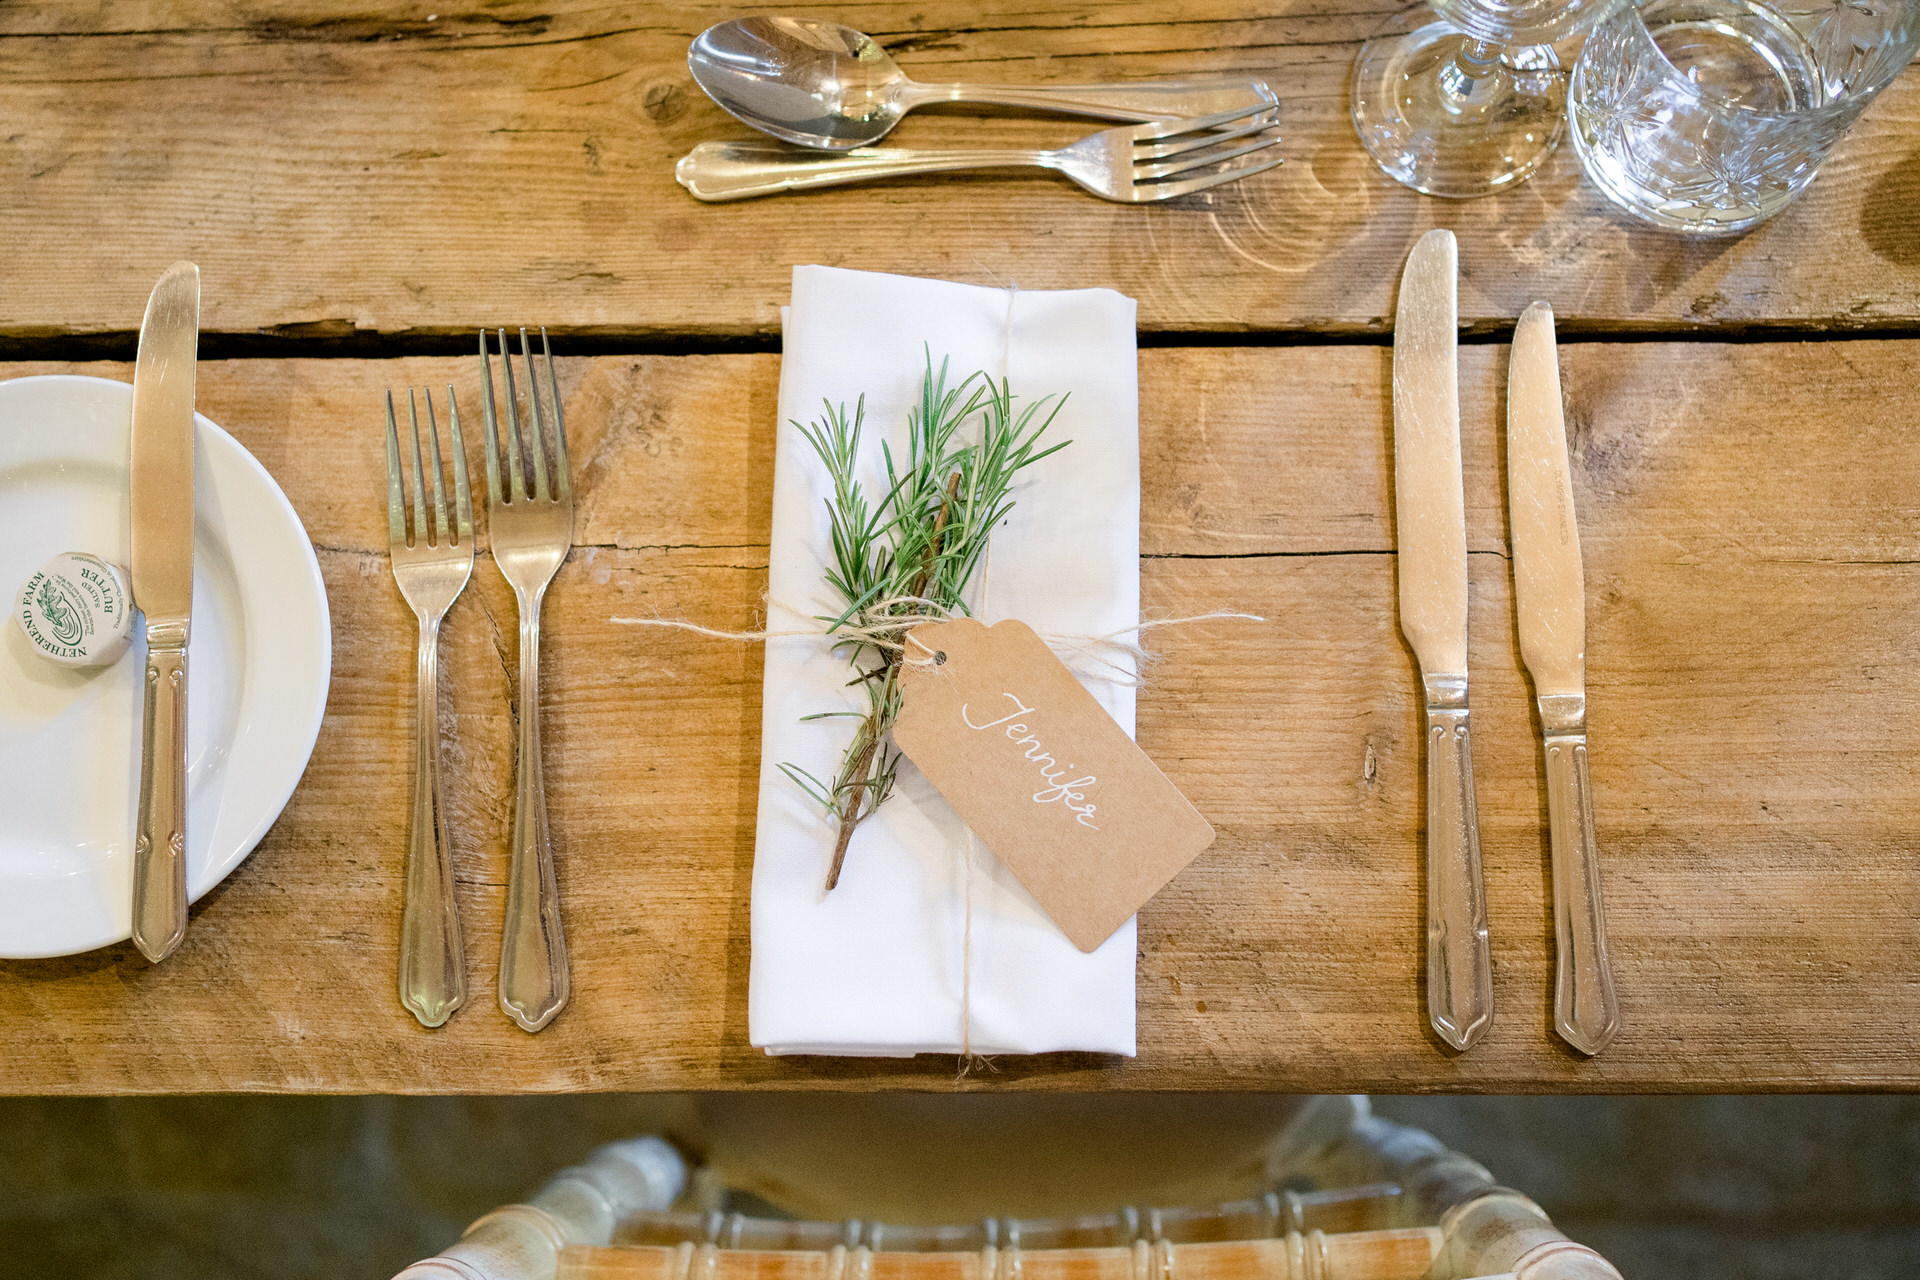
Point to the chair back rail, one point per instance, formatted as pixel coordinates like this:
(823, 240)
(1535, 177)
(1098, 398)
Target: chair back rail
(1339, 1209)
(1388, 1203)
(1406, 1253)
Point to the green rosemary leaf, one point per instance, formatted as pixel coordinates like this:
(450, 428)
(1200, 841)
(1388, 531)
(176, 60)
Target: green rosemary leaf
(808, 783)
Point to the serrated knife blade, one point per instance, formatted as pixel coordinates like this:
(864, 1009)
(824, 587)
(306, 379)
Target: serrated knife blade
(1431, 563)
(1549, 598)
(160, 509)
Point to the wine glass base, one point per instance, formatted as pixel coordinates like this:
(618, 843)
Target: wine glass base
(1417, 124)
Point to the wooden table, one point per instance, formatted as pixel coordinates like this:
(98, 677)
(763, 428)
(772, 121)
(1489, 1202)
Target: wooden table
(362, 192)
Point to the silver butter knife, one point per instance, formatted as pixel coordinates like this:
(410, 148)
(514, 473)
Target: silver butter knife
(1430, 516)
(160, 506)
(1549, 596)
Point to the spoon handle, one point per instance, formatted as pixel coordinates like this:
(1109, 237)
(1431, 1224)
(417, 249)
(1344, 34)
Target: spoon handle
(739, 170)
(1147, 100)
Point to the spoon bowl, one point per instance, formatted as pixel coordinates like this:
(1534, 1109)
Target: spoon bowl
(832, 88)
(815, 83)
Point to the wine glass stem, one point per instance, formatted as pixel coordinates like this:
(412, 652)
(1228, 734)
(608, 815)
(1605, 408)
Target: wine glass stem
(1467, 72)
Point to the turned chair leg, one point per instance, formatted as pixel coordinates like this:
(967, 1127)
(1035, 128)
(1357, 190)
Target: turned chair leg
(581, 1205)
(1489, 1229)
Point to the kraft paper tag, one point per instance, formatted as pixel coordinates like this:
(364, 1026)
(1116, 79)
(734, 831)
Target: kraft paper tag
(1042, 774)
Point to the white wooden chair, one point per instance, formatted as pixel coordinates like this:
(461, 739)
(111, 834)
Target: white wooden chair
(1380, 1202)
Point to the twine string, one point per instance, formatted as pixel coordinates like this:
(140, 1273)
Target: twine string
(966, 865)
(966, 856)
(1086, 655)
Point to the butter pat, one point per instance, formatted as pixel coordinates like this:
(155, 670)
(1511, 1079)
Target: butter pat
(76, 611)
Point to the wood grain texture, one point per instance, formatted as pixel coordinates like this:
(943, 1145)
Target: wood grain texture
(352, 174)
(1749, 516)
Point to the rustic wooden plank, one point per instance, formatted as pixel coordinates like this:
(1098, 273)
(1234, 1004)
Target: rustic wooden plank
(1749, 515)
(349, 175)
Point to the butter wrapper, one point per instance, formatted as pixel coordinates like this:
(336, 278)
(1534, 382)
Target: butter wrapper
(76, 611)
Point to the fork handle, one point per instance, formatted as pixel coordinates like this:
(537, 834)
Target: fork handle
(533, 950)
(1161, 100)
(433, 971)
(739, 170)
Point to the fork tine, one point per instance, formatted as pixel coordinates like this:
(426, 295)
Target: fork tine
(1188, 162)
(462, 496)
(488, 423)
(419, 494)
(516, 475)
(441, 525)
(563, 482)
(396, 492)
(1144, 151)
(1171, 128)
(538, 445)
(1148, 191)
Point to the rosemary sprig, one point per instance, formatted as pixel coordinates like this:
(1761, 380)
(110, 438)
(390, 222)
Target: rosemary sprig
(907, 555)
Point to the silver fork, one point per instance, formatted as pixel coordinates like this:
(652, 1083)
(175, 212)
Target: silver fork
(1135, 165)
(432, 569)
(531, 530)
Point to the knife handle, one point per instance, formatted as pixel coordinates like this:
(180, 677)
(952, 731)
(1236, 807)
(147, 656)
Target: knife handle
(1459, 967)
(160, 840)
(1585, 1010)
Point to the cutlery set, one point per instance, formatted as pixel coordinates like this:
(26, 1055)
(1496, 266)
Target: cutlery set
(826, 87)
(530, 528)
(1549, 600)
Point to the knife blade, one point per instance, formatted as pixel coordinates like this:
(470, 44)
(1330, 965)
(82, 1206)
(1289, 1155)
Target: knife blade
(1549, 597)
(160, 509)
(1431, 562)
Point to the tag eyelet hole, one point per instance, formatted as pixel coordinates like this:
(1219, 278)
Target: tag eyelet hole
(939, 657)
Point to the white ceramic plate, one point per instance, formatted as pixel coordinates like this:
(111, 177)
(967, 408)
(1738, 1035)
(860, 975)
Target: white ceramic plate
(257, 669)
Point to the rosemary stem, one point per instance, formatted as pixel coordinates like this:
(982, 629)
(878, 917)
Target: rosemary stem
(879, 720)
(939, 529)
(849, 815)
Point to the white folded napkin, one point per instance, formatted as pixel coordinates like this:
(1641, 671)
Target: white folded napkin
(880, 966)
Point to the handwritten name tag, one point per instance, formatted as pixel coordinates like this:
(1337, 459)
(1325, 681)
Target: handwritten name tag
(1042, 774)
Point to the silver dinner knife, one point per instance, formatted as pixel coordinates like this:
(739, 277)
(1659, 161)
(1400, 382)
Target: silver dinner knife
(1430, 516)
(1549, 598)
(160, 505)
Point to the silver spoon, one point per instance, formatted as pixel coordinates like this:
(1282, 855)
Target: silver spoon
(827, 86)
